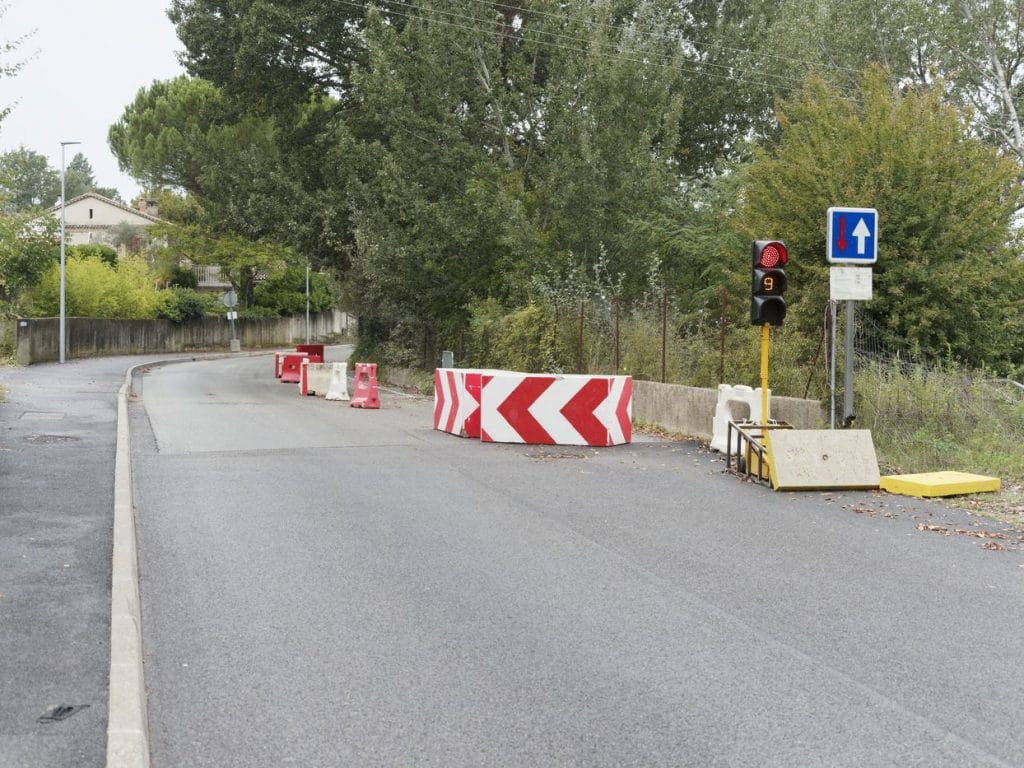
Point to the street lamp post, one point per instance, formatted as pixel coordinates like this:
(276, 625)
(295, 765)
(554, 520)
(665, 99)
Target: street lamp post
(63, 281)
(307, 302)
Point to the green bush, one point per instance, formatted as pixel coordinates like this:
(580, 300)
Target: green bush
(94, 288)
(521, 340)
(935, 418)
(105, 253)
(285, 294)
(182, 277)
(525, 341)
(484, 317)
(180, 305)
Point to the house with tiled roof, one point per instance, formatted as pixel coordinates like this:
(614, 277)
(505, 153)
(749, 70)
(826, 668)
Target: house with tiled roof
(91, 218)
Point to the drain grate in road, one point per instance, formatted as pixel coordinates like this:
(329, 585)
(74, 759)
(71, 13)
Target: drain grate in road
(555, 455)
(51, 439)
(60, 712)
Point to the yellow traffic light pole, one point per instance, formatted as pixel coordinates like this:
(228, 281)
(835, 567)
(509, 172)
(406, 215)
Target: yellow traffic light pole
(765, 330)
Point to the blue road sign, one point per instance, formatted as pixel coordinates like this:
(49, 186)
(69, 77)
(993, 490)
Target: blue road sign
(852, 236)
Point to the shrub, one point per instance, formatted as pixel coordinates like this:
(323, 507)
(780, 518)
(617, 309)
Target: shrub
(525, 341)
(942, 417)
(183, 277)
(180, 305)
(96, 289)
(105, 253)
(285, 294)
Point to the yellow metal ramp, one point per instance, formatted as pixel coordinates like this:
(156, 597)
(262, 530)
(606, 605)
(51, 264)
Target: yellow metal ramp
(939, 484)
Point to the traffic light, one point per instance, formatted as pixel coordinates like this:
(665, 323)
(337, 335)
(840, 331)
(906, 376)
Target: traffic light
(768, 282)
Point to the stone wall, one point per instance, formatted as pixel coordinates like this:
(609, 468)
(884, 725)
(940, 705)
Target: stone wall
(38, 339)
(690, 410)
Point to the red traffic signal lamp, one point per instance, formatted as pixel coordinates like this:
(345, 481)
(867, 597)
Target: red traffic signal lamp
(768, 282)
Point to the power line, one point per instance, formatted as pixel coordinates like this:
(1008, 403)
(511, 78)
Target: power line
(667, 60)
(678, 38)
(734, 74)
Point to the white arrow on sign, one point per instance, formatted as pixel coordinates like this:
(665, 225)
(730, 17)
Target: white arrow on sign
(862, 233)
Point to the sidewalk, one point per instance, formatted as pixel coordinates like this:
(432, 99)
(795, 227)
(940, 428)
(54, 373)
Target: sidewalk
(58, 429)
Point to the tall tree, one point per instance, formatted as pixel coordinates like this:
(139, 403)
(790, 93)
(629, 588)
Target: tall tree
(838, 39)
(184, 134)
(27, 180)
(27, 250)
(161, 136)
(612, 146)
(79, 179)
(948, 277)
(9, 68)
(296, 46)
(982, 45)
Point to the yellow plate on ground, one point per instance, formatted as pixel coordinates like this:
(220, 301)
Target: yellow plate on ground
(939, 484)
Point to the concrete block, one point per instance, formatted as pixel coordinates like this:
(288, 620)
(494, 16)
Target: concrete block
(811, 459)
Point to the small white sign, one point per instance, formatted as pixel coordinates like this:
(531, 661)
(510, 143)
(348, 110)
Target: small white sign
(850, 283)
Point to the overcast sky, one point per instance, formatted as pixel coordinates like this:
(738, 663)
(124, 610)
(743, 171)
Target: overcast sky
(85, 63)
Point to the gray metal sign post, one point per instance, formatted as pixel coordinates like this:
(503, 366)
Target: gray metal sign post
(230, 301)
(852, 240)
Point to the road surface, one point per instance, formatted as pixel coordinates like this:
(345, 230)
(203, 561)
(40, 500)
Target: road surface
(327, 586)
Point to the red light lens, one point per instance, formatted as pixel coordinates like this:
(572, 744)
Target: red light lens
(772, 255)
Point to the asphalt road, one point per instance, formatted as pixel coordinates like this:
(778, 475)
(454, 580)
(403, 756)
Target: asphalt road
(327, 586)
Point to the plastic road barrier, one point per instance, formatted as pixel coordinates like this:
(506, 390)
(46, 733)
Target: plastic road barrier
(337, 388)
(315, 351)
(291, 368)
(365, 386)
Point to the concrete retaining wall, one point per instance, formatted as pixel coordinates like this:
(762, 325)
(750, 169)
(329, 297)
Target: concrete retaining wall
(690, 410)
(38, 339)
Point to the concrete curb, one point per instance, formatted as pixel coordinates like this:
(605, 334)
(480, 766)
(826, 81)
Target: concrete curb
(127, 718)
(127, 723)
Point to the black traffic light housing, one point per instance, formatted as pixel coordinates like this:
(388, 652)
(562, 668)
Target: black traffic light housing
(768, 282)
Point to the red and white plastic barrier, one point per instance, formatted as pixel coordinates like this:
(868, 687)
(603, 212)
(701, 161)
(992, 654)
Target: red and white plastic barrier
(365, 386)
(556, 410)
(315, 351)
(291, 368)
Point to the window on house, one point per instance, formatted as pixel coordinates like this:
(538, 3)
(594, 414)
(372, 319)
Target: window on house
(90, 213)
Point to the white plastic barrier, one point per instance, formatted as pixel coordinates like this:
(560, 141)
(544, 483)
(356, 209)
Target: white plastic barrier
(337, 388)
(315, 378)
(735, 403)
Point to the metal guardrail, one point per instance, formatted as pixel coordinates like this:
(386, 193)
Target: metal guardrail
(751, 452)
